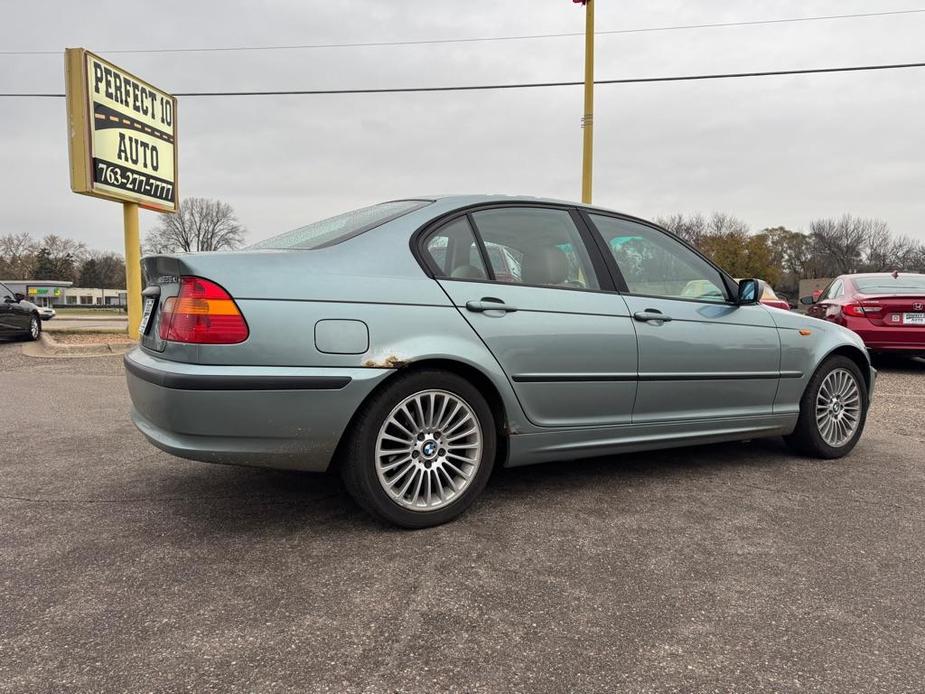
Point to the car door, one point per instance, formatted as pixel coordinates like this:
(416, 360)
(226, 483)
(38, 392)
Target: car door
(533, 290)
(8, 317)
(701, 356)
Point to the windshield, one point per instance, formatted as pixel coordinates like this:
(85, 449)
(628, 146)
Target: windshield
(911, 284)
(333, 230)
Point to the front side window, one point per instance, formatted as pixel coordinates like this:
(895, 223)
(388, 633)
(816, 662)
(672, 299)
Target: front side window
(333, 230)
(654, 264)
(5, 292)
(535, 246)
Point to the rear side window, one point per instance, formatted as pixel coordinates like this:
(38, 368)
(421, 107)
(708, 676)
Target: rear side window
(454, 253)
(535, 246)
(333, 230)
(834, 291)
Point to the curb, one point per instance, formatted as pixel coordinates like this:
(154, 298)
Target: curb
(46, 346)
(74, 330)
(104, 318)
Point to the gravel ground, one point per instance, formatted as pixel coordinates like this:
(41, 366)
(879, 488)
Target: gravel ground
(722, 568)
(88, 323)
(90, 338)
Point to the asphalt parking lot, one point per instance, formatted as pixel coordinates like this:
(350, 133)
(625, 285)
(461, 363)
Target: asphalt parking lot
(724, 568)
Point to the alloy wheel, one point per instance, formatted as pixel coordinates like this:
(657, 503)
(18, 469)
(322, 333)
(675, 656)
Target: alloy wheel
(34, 328)
(838, 407)
(428, 450)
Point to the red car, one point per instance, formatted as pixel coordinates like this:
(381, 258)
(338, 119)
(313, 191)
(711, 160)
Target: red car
(886, 309)
(769, 298)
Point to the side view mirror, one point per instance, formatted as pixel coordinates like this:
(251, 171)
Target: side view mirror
(807, 300)
(749, 292)
(9, 300)
(19, 297)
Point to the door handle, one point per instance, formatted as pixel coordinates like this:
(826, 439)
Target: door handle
(651, 314)
(489, 304)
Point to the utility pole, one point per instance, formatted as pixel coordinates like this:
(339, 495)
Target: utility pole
(587, 120)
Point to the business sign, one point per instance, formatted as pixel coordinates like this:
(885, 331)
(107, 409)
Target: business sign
(122, 134)
(43, 291)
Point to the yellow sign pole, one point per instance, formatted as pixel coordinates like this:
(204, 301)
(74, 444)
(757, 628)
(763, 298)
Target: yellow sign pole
(132, 266)
(587, 121)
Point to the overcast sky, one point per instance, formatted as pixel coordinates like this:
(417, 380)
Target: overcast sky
(774, 151)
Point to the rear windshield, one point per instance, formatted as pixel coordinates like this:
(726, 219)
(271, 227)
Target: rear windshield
(914, 284)
(333, 230)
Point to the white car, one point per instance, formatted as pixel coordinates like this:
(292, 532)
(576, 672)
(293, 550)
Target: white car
(46, 312)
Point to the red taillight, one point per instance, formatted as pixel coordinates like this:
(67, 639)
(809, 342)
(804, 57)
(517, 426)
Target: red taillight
(859, 310)
(202, 313)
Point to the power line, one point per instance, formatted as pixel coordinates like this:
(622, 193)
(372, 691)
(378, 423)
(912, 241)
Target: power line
(521, 85)
(475, 39)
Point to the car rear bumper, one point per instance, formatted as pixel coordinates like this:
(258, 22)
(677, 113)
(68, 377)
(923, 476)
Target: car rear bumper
(903, 347)
(280, 417)
(889, 338)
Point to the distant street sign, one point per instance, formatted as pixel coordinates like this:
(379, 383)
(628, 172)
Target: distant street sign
(122, 134)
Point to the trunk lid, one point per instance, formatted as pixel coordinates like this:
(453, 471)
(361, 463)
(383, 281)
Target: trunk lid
(896, 310)
(160, 276)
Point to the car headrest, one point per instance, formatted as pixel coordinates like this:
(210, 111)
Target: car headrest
(545, 265)
(468, 272)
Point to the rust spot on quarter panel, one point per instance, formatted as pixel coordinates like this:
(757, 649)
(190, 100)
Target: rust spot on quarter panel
(390, 362)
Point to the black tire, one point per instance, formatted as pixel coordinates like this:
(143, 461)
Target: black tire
(358, 457)
(35, 328)
(807, 438)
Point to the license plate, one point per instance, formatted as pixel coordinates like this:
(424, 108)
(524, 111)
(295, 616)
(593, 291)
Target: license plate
(914, 319)
(146, 316)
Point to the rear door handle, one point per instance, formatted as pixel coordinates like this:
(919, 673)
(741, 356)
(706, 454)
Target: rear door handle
(651, 314)
(489, 304)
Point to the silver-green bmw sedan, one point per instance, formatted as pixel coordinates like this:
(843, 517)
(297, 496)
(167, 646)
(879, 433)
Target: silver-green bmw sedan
(414, 345)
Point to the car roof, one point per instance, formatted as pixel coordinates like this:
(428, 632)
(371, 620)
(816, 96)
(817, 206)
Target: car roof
(879, 274)
(465, 200)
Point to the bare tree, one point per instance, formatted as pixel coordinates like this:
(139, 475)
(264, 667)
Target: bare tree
(17, 256)
(918, 264)
(834, 246)
(722, 223)
(62, 246)
(696, 228)
(839, 244)
(200, 225)
(886, 252)
(688, 228)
